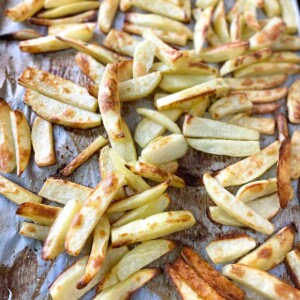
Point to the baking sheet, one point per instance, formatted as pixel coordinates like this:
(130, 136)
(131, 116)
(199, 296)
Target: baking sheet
(23, 275)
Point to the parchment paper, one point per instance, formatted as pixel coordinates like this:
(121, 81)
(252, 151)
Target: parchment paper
(23, 275)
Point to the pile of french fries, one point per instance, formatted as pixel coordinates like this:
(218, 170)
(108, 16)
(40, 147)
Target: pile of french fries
(230, 73)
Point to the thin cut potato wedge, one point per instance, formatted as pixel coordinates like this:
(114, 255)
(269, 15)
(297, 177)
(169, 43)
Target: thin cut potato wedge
(7, 146)
(272, 8)
(250, 15)
(219, 22)
(60, 113)
(107, 13)
(236, 28)
(295, 155)
(249, 168)
(225, 147)
(195, 127)
(229, 247)
(286, 42)
(42, 143)
(62, 191)
(54, 244)
(226, 288)
(34, 231)
(289, 16)
(21, 35)
(84, 156)
(40, 213)
(293, 264)
(293, 102)
(152, 227)
(261, 282)
(57, 88)
(16, 193)
(272, 252)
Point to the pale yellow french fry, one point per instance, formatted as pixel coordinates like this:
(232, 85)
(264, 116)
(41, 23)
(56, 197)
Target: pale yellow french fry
(219, 22)
(125, 70)
(195, 127)
(121, 42)
(84, 156)
(238, 7)
(229, 247)
(64, 286)
(107, 13)
(152, 227)
(256, 165)
(34, 231)
(236, 208)
(143, 59)
(80, 18)
(40, 213)
(154, 173)
(274, 250)
(206, 3)
(284, 57)
(186, 6)
(250, 15)
(24, 10)
(57, 88)
(109, 280)
(7, 147)
(198, 109)
(286, 43)
(60, 113)
(212, 38)
(295, 155)
(201, 28)
(98, 252)
(225, 147)
(245, 60)
(293, 264)
(271, 8)
(65, 10)
(261, 282)
(21, 35)
(160, 66)
(54, 244)
(57, 3)
(293, 102)
(138, 200)
(58, 28)
(90, 213)
(62, 191)
(236, 28)
(288, 16)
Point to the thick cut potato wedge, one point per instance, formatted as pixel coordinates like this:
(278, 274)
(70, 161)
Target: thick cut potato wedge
(57, 88)
(249, 168)
(272, 252)
(24, 10)
(152, 227)
(90, 213)
(7, 147)
(288, 16)
(293, 103)
(107, 13)
(62, 191)
(236, 28)
(229, 247)
(295, 155)
(261, 282)
(34, 231)
(272, 8)
(213, 278)
(54, 244)
(21, 35)
(16, 193)
(43, 143)
(60, 113)
(57, 29)
(195, 127)
(219, 22)
(293, 265)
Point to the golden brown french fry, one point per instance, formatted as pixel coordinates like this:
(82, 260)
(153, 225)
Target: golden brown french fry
(107, 13)
(92, 210)
(21, 35)
(7, 147)
(286, 42)
(293, 102)
(265, 108)
(282, 127)
(24, 10)
(293, 263)
(34, 231)
(250, 15)
(219, 22)
(295, 157)
(288, 16)
(84, 156)
(213, 278)
(271, 8)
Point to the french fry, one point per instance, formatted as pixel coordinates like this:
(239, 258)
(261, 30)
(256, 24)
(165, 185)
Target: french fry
(261, 282)
(121, 42)
(143, 59)
(126, 288)
(57, 88)
(219, 23)
(256, 165)
(171, 166)
(54, 244)
(205, 128)
(109, 280)
(22, 141)
(293, 102)
(7, 147)
(295, 157)
(62, 191)
(225, 147)
(284, 57)
(125, 5)
(84, 156)
(236, 28)
(64, 286)
(236, 208)
(60, 113)
(57, 29)
(229, 247)
(34, 231)
(271, 8)
(125, 70)
(245, 60)
(40, 213)
(250, 15)
(286, 43)
(21, 35)
(24, 10)
(107, 13)
(57, 3)
(262, 125)
(272, 252)
(198, 109)
(154, 173)
(98, 252)
(293, 263)
(212, 38)
(213, 278)
(282, 127)
(265, 108)
(206, 3)
(288, 16)
(238, 7)
(90, 213)
(80, 18)
(16, 193)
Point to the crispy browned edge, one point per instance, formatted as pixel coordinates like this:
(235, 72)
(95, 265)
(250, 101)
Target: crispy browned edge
(282, 126)
(265, 108)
